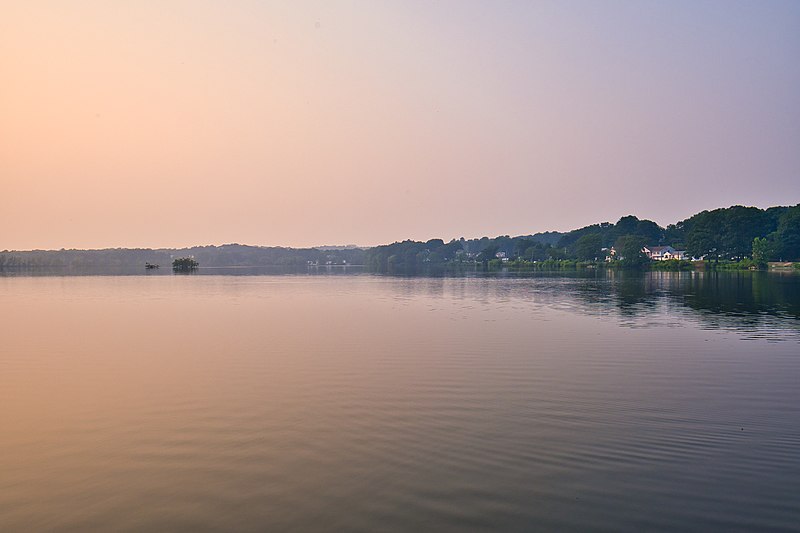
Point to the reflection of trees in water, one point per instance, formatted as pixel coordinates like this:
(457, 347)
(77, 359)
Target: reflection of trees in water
(633, 292)
(721, 300)
(724, 299)
(730, 293)
(752, 302)
(755, 303)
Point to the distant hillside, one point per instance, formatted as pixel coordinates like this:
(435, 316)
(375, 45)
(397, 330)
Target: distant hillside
(726, 233)
(207, 256)
(329, 247)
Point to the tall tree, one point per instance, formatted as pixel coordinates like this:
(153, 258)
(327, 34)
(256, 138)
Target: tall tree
(629, 248)
(702, 239)
(761, 250)
(588, 247)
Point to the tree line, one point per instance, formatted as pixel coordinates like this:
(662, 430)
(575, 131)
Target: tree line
(206, 256)
(727, 234)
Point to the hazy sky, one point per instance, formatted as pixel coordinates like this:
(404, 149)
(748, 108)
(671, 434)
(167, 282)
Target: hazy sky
(150, 123)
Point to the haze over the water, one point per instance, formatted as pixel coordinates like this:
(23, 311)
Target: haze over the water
(178, 123)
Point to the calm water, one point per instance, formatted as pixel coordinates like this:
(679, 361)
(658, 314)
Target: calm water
(669, 402)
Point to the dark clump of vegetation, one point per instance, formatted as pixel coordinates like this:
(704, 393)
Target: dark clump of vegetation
(184, 264)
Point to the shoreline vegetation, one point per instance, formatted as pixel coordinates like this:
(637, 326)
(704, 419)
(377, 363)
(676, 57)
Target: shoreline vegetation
(734, 238)
(184, 264)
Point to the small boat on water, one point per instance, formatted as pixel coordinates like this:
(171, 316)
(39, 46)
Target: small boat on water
(150, 266)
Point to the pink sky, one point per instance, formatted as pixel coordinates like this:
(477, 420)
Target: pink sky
(298, 123)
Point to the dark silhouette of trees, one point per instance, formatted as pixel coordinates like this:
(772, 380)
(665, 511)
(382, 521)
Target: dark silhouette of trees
(184, 264)
(629, 248)
(787, 235)
(588, 247)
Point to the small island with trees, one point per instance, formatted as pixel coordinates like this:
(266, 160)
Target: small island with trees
(184, 264)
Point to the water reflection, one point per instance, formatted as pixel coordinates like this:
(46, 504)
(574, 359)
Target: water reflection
(364, 403)
(758, 303)
(748, 301)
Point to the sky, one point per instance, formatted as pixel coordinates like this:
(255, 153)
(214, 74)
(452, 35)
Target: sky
(168, 124)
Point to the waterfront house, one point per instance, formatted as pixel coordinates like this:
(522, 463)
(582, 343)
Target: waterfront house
(663, 253)
(656, 253)
(675, 254)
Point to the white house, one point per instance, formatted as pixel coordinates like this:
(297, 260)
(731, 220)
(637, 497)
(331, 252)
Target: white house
(663, 253)
(675, 254)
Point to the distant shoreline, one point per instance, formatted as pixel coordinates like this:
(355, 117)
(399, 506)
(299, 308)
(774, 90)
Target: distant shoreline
(736, 237)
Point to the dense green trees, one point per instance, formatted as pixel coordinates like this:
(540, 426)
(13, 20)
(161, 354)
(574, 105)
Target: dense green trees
(734, 233)
(651, 232)
(729, 233)
(787, 236)
(629, 249)
(608, 233)
(762, 250)
(589, 247)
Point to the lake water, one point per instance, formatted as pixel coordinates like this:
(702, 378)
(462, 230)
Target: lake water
(658, 402)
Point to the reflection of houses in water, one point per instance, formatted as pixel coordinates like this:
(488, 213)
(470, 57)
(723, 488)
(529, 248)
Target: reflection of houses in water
(763, 304)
